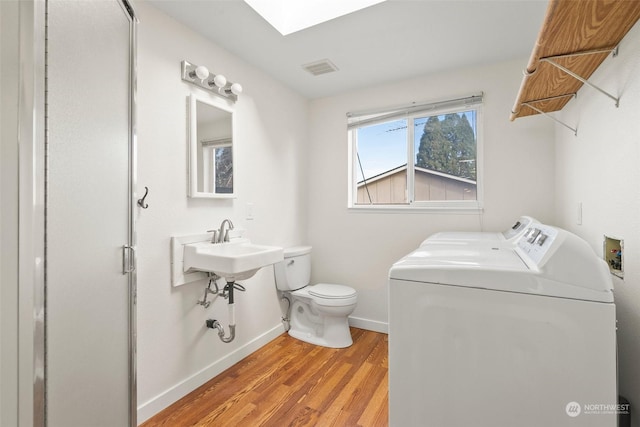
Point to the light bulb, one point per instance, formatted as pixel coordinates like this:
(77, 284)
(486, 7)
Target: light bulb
(219, 80)
(236, 88)
(201, 72)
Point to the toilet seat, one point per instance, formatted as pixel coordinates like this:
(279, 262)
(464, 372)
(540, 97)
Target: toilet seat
(327, 290)
(328, 294)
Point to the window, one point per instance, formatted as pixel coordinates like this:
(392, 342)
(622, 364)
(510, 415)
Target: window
(216, 167)
(422, 156)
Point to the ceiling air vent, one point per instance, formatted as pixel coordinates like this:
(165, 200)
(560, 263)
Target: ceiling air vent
(323, 66)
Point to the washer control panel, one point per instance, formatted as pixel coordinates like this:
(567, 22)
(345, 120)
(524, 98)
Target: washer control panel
(537, 241)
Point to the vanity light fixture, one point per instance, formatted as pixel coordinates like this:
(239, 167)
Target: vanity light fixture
(200, 76)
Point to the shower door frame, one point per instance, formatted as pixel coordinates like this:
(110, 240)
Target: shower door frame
(32, 188)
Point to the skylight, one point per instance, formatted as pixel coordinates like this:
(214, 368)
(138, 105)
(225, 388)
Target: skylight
(289, 16)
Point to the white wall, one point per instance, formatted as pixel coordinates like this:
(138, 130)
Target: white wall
(600, 168)
(356, 248)
(176, 352)
(9, 213)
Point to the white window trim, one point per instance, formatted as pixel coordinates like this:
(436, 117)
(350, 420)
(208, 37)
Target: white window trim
(435, 206)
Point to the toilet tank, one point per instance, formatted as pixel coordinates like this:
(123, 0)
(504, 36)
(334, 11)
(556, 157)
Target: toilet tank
(295, 271)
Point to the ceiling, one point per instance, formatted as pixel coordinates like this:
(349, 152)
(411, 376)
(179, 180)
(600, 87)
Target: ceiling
(390, 41)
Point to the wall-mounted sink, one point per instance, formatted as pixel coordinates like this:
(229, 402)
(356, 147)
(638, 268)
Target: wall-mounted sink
(236, 260)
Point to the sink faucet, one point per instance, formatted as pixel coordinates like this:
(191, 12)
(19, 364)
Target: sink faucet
(220, 235)
(223, 235)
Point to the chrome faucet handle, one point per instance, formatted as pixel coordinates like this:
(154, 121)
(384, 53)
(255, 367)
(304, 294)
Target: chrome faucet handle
(214, 238)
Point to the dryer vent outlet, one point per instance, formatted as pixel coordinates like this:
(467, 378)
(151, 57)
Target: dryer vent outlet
(614, 255)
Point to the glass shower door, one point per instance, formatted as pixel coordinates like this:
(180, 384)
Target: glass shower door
(89, 376)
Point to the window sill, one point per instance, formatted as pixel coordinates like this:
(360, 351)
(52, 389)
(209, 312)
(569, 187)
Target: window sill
(463, 209)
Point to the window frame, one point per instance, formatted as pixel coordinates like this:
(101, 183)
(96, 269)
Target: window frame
(436, 206)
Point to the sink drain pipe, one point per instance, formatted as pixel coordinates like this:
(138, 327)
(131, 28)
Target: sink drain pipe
(214, 324)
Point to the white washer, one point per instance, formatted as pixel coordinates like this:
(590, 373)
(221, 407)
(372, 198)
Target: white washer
(502, 336)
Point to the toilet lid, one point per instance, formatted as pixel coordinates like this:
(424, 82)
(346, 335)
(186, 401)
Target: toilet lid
(325, 290)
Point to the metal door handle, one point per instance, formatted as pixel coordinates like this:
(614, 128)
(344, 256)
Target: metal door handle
(128, 259)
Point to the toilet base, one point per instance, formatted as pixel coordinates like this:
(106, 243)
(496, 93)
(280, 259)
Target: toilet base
(343, 341)
(326, 331)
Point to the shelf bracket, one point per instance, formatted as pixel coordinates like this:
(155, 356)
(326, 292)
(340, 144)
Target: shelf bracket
(529, 104)
(551, 60)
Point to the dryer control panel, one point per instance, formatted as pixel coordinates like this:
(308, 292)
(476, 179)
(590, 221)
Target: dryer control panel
(520, 226)
(537, 241)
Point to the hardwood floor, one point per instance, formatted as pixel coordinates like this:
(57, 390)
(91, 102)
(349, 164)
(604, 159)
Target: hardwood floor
(292, 383)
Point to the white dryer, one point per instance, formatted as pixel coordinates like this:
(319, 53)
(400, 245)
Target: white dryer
(508, 236)
(493, 336)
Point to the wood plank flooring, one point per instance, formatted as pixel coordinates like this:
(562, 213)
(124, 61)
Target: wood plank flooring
(291, 383)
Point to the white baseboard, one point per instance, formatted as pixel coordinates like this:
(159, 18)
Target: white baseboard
(368, 324)
(163, 400)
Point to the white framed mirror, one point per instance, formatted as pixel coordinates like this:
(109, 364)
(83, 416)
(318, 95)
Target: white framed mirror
(211, 153)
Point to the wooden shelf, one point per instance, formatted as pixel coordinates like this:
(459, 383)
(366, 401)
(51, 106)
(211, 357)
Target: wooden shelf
(577, 35)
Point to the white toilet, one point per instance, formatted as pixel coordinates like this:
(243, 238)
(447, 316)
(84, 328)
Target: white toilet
(318, 313)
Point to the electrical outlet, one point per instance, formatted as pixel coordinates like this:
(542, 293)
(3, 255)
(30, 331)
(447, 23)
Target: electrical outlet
(579, 213)
(250, 211)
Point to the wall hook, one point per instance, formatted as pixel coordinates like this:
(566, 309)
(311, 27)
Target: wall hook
(141, 202)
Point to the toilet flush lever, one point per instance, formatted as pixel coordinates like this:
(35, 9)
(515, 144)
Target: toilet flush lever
(290, 262)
